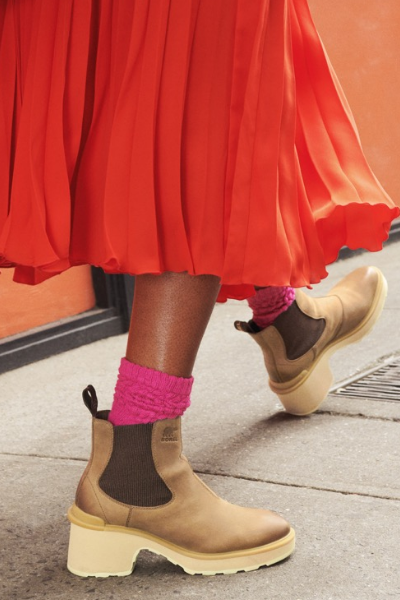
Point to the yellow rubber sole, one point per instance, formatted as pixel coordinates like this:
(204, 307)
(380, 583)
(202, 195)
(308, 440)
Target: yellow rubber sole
(100, 550)
(305, 393)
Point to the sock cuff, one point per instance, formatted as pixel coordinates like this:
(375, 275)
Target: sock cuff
(156, 379)
(269, 302)
(144, 395)
(271, 297)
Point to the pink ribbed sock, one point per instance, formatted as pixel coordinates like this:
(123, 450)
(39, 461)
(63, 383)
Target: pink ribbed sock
(144, 395)
(269, 302)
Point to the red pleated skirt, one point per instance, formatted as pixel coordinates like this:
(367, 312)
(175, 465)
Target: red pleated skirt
(207, 136)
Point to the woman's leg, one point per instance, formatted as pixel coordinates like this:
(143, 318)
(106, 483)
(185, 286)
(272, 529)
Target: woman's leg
(169, 316)
(138, 490)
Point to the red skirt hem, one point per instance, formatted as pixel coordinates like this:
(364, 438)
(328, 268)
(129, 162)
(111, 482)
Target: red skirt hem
(208, 136)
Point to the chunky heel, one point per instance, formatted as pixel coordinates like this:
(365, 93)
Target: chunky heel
(95, 553)
(100, 550)
(306, 392)
(166, 509)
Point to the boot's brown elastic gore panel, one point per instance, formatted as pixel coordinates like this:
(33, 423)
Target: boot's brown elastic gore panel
(299, 331)
(130, 476)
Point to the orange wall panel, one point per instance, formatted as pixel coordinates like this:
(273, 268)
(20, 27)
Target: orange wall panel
(362, 38)
(23, 307)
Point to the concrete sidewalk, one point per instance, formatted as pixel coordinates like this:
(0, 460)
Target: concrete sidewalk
(335, 475)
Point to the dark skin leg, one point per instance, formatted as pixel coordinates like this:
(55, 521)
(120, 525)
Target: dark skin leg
(169, 316)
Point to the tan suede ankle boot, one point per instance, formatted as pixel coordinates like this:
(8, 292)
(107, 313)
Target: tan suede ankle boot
(299, 372)
(139, 492)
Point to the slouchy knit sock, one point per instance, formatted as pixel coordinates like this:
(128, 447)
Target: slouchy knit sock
(269, 302)
(144, 395)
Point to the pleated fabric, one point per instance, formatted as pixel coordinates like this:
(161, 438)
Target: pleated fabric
(207, 136)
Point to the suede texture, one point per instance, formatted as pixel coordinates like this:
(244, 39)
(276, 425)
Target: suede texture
(195, 518)
(346, 307)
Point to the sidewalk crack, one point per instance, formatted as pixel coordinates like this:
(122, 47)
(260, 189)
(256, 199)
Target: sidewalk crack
(226, 475)
(333, 413)
(44, 456)
(297, 485)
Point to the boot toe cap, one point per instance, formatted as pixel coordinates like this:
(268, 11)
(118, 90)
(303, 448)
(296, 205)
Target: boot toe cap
(273, 527)
(362, 294)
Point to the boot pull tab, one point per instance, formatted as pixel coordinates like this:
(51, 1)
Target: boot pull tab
(90, 399)
(247, 326)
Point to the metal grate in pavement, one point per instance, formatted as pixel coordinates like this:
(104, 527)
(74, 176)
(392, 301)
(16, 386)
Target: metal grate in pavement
(382, 383)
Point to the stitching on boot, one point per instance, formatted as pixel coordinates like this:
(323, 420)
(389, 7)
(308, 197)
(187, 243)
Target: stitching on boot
(93, 486)
(87, 469)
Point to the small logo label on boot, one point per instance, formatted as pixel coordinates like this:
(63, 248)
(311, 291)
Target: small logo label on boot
(170, 435)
